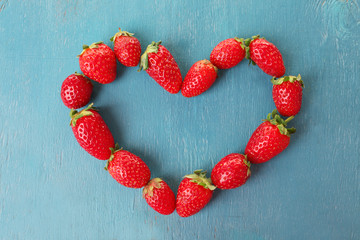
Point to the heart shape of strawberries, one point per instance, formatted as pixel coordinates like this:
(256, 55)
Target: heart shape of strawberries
(98, 62)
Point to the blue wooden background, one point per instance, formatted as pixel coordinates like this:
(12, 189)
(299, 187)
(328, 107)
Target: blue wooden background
(52, 189)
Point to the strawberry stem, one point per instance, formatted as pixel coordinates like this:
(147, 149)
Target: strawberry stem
(79, 74)
(291, 130)
(289, 119)
(275, 119)
(72, 113)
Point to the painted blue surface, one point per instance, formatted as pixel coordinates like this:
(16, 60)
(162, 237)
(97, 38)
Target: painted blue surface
(52, 189)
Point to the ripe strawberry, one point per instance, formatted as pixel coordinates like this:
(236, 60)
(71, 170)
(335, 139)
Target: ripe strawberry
(127, 168)
(92, 133)
(127, 48)
(264, 54)
(161, 66)
(159, 196)
(228, 53)
(231, 172)
(76, 91)
(194, 193)
(98, 62)
(287, 94)
(199, 78)
(269, 139)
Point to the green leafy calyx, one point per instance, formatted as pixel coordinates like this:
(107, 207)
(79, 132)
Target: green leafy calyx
(149, 188)
(241, 41)
(247, 48)
(75, 115)
(200, 178)
(292, 79)
(121, 33)
(93, 45)
(79, 74)
(113, 151)
(144, 61)
(207, 62)
(275, 119)
(248, 164)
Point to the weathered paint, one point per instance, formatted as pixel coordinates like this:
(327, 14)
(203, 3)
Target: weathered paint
(52, 189)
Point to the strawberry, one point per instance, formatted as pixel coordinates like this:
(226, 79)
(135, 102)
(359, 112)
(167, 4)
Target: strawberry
(127, 168)
(266, 55)
(287, 94)
(161, 66)
(228, 53)
(76, 91)
(159, 196)
(98, 62)
(127, 48)
(92, 133)
(199, 78)
(194, 193)
(269, 139)
(231, 172)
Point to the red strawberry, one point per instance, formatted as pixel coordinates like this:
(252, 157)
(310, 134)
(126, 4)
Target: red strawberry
(228, 53)
(269, 139)
(76, 91)
(265, 55)
(98, 62)
(194, 193)
(127, 168)
(159, 196)
(127, 48)
(161, 66)
(92, 133)
(199, 78)
(231, 172)
(287, 94)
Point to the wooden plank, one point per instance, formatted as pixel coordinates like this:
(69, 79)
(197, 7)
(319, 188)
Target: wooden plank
(52, 189)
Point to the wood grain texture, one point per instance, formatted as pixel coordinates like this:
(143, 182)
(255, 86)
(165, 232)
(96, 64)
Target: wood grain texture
(52, 189)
